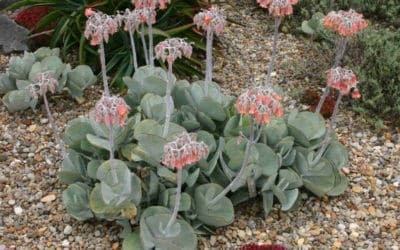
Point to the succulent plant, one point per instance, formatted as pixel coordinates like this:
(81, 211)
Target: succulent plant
(24, 70)
(76, 199)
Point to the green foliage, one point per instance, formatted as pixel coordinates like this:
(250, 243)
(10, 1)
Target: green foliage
(176, 20)
(378, 70)
(23, 70)
(282, 164)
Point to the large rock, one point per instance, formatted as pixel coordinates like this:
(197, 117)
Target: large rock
(12, 36)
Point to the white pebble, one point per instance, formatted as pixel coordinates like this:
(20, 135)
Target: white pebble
(18, 210)
(68, 229)
(342, 227)
(65, 243)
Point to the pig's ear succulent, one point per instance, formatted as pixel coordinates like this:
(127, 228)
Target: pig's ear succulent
(24, 70)
(19, 67)
(7, 83)
(79, 79)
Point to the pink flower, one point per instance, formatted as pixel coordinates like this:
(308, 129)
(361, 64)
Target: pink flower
(261, 103)
(355, 94)
(150, 4)
(342, 79)
(99, 27)
(131, 18)
(111, 110)
(213, 18)
(147, 13)
(184, 150)
(43, 82)
(171, 49)
(278, 7)
(89, 12)
(346, 23)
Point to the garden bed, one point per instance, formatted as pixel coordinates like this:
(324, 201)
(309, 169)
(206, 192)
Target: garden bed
(366, 216)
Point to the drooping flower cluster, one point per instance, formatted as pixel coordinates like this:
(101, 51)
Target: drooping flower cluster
(346, 23)
(184, 150)
(130, 18)
(261, 103)
(171, 49)
(43, 82)
(278, 7)
(162, 4)
(343, 80)
(213, 18)
(99, 26)
(111, 110)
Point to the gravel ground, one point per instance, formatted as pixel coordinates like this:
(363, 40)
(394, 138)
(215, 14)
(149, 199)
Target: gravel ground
(365, 217)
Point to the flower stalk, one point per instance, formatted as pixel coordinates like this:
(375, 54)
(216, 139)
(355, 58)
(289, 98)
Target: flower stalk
(169, 102)
(177, 201)
(144, 44)
(210, 21)
(278, 21)
(168, 51)
(54, 127)
(239, 176)
(104, 69)
(342, 43)
(45, 82)
(209, 64)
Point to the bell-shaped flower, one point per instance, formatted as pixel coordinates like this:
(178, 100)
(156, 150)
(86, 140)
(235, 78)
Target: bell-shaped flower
(111, 110)
(162, 4)
(342, 79)
(261, 103)
(44, 82)
(278, 8)
(171, 49)
(99, 26)
(345, 23)
(184, 150)
(131, 19)
(213, 18)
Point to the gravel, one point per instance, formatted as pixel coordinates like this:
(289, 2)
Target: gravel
(366, 216)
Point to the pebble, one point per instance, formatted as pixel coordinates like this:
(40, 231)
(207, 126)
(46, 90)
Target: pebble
(44, 120)
(67, 230)
(18, 210)
(65, 243)
(48, 198)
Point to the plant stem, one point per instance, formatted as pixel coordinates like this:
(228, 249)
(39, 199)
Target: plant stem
(242, 168)
(150, 25)
(134, 57)
(271, 65)
(54, 127)
(251, 186)
(111, 141)
(342, 43)
(209, 67)
(332, 123)
(331, 4)
(146, 56)
(177, 201)
(103, 69)
(168, 101)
